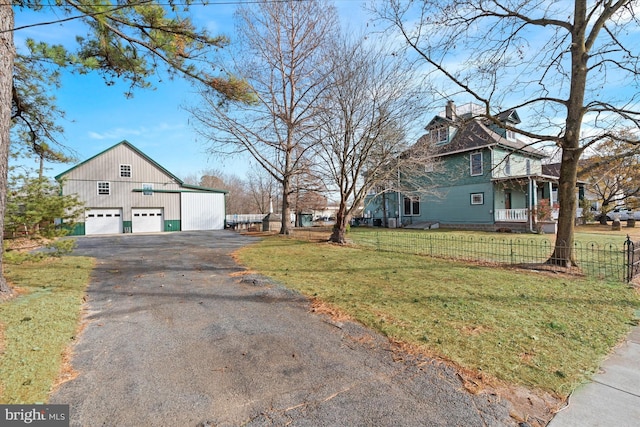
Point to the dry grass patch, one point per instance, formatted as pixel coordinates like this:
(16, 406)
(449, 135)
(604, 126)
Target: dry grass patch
(38, 324)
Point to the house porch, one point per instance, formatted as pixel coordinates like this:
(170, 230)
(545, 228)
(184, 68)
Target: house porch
(514, 199)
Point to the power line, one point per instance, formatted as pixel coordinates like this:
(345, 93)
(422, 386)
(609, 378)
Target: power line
(140, 3)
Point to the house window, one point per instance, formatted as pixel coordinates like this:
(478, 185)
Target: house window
(528, 166)
(125, 171)
(439, 135)
(477, 198)
(411, 206)
(104, 188)
(511, 135)
(147, 189)
(507, 165)
(476, 164)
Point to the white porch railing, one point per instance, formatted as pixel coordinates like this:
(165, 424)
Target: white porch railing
(512, 215)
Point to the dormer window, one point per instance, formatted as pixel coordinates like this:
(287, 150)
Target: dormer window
(439, 135)
(511, 135)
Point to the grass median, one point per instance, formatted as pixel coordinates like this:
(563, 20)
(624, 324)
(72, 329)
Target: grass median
(534, 329)
(38, 324)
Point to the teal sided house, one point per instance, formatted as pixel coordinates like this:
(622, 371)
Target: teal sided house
(125, 191)
(483, 177)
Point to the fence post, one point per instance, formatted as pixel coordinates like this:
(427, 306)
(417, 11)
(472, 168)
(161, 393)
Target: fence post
(629, 249)
(511, 251)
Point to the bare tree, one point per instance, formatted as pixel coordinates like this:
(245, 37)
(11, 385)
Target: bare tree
(214, 179)
(309, 193)
(560, 60)
(239, 199)
(372, 97)
(612, 174)
(282, 55)
(261, 187)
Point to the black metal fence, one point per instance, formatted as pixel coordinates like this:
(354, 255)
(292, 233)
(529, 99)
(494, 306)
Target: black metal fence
(601, 260)
(632, 249)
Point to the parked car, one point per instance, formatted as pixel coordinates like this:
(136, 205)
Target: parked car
(623, 214)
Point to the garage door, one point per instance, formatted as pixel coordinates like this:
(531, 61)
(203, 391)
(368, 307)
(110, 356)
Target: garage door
(103, 221)
(145, 220)
(202, 211)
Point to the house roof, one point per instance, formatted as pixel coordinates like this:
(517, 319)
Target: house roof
(552, 169)
(147, 158)
(510, 115)
(474, 134)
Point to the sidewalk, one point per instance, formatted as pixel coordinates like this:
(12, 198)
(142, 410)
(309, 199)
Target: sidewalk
(613, 396)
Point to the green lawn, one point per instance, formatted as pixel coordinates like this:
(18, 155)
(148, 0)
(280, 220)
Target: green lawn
(38, 324)
(597, 254)
(534, 329)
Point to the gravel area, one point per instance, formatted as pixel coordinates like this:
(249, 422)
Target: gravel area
(174, 338)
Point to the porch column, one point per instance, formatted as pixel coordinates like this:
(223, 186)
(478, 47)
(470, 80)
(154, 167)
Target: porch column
(551, 201)
(534, 203)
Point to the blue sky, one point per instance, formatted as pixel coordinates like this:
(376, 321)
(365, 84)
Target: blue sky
(99, 116)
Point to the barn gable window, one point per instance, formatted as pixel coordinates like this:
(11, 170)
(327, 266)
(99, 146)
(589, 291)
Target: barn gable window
(104, 188)
(125, 171)
(147, 189)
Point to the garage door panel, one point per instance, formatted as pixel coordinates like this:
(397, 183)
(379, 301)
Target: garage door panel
(146, 220)
(103, 221)
(202, 211)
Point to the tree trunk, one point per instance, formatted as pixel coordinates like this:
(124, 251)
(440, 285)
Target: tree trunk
(7, 54)
(563, 252)
(285, 227)
(339, 232)
(603, 214)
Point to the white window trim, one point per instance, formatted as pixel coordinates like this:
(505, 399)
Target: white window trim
(477, 198)
(511, 135)
(148, 191)
(439, 135)
(413, 200)
(107, 187)
(471, 164)
(130, 170)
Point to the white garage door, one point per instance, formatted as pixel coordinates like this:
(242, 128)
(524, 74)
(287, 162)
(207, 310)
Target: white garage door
(103, 221)
(202, 211)
(144, 220)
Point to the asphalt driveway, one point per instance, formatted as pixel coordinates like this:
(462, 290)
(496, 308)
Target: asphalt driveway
(174, 339)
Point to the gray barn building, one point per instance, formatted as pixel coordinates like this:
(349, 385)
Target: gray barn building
(125, 191)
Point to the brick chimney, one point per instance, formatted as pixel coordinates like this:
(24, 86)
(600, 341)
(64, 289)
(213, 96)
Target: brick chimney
(450, 110)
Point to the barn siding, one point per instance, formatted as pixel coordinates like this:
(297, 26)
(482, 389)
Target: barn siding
(202, 211)
(106, 167)
(123, 195)
(126, 192)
